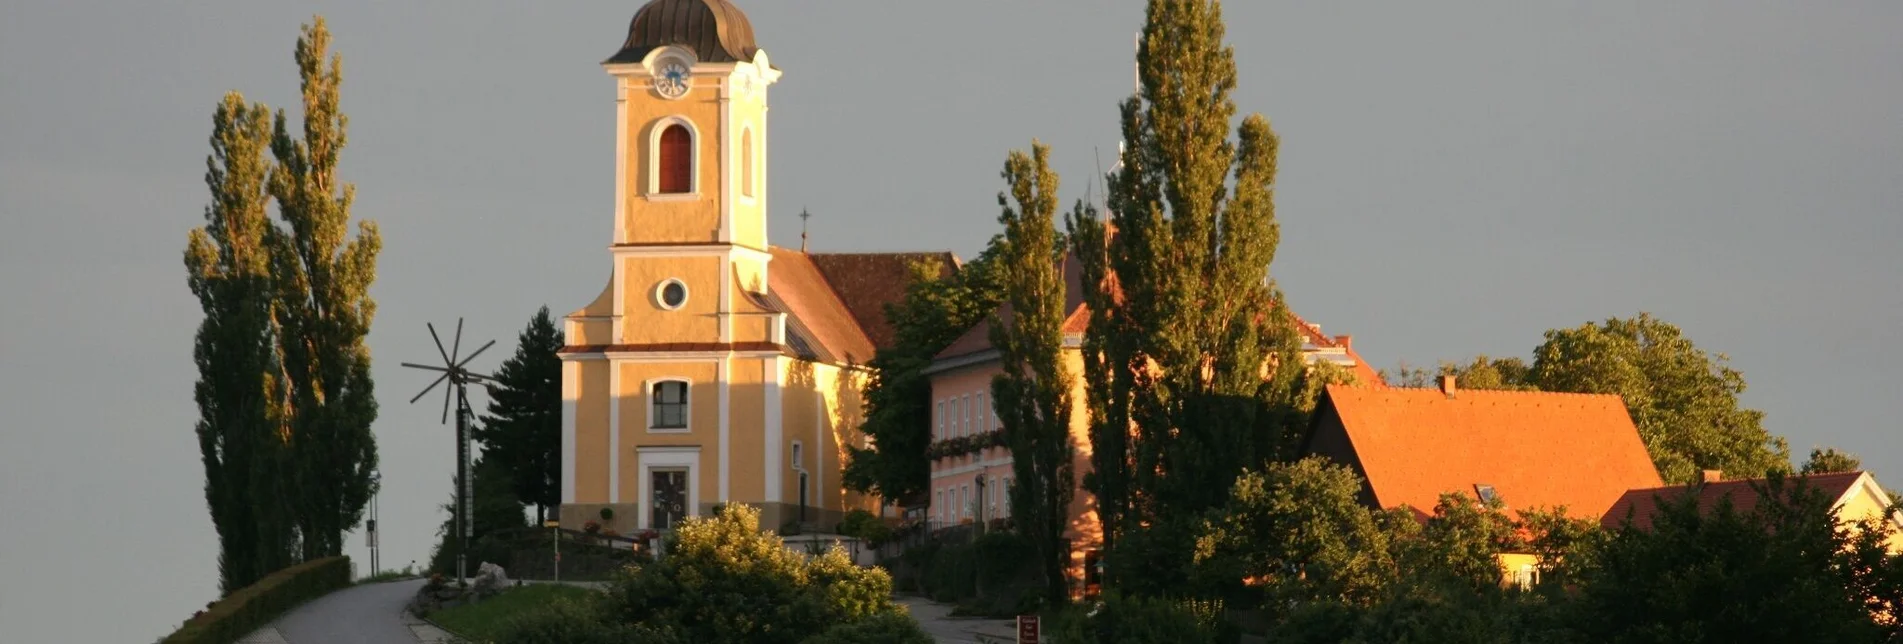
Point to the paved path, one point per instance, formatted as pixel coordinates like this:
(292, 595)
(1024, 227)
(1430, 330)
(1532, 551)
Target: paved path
(367, 614)
(936, 619)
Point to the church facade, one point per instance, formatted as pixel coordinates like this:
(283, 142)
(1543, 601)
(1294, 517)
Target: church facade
(714, 367)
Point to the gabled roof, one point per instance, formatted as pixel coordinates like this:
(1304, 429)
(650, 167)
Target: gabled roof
(1642, 504)
(1535, 449)
(796, 285)
(866, 282)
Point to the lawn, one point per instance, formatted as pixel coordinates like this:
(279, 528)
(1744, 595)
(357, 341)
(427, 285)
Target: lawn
(483, 622)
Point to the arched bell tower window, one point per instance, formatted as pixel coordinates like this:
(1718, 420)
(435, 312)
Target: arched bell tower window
(673, 155)
(746, 162)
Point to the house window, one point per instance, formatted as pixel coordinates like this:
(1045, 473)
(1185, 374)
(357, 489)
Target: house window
(675, 160)
(1526, 577)
(984, 420)
(940, 415)
(746, 163)
(966, 407)
(670, 405)
(938, 505)
(964, 498)
(669, 502)
(799, 456)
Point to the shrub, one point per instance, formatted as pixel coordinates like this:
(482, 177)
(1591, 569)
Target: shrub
(571, 622)
(884, 628)
(865, 526)
(250, 608)
(1141, 620)
(725, 581)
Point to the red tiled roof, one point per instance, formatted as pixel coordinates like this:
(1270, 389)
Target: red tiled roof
(1535, 449)
(797, 282)
(1643, 504)
(866, 282)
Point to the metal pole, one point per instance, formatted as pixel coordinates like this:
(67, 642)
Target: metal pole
(462, 486)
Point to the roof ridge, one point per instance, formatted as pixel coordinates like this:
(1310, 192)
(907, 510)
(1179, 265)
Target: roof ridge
(1521, 392)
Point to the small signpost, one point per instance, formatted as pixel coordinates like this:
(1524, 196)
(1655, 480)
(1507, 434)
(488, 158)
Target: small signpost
(1027, 629)
(556, 539)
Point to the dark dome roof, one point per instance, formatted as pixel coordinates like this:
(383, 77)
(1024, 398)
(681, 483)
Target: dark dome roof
(715, 30)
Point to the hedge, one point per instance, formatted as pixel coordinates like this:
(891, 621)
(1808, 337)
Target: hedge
(253, 606)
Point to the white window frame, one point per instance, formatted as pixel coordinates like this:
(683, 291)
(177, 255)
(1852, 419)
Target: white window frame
(964, 501)
(653, 192)
(799, 456)
(984, 421)
(660, 300)
(938, 505)
(964, 408)
(687, 414)
(648, 459)
(940, 415)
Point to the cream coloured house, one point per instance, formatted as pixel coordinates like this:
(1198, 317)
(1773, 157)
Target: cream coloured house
(714, 367)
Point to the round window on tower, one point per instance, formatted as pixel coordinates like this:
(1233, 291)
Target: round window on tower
(671, 294)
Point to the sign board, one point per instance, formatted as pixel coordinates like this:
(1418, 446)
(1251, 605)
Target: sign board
(370, 533)
(1027, 629)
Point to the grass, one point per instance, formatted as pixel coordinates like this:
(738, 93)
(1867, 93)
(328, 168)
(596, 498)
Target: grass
(484, 621)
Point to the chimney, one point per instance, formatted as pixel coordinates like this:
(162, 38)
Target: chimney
(1447, 385)
(1346, 341)
(1713, 476)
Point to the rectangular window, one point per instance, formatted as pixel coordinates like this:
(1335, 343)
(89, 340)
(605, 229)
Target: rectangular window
(670, 405)
(799, 456)
(967, 415)
(984, 414)
(957, 429)
(938, 505)
(669, 498)
(964, 496)
(938, 416)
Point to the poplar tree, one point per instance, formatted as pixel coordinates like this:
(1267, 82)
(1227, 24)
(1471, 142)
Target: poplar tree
(238, 392)
(1033, 393)
(1194, 364)
(324, 307)
(522, 434)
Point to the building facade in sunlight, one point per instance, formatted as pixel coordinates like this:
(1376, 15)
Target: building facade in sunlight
(713, 367)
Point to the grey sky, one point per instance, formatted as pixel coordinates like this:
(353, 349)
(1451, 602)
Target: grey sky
(1455, 179)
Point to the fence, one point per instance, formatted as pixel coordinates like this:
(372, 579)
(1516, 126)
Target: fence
(532, 553)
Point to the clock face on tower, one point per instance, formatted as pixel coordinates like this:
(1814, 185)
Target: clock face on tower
(672, 82)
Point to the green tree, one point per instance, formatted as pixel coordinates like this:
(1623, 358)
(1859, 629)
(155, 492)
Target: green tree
(1461, 541)
(493, 508)
(940, 304)
(324, 307)
(1300, 533)
(1033, 394)
(239, 391)
(1683, 400)
(1718, 574)
(1828, 460)
(1512, 374)
(1185, 315)
(523, 431)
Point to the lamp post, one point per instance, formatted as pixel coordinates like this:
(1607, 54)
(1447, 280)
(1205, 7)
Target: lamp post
(376, 487)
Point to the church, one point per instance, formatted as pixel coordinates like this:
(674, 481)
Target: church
(714, 367)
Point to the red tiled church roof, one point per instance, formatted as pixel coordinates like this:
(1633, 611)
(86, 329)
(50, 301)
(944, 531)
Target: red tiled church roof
(866, 282)
(1535, 449)
(797, 282)
(1642, 504)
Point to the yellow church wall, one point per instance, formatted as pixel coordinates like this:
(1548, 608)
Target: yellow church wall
(799, 409)
(703, 422)
(591, 331)
(749, 221)
(746, 452)
(646, 322)
(591, 434)
(672, 218)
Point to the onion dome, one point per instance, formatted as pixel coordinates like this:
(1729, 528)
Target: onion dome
(715, 30)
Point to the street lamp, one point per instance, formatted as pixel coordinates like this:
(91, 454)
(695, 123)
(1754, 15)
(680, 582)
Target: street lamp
(376, 487)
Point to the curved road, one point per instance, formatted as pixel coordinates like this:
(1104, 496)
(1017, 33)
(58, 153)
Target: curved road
(370, 614)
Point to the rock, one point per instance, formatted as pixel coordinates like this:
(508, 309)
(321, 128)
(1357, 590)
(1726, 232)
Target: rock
(490, 579)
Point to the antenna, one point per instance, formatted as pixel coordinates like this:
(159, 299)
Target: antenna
(1097, 155)
(459, 377)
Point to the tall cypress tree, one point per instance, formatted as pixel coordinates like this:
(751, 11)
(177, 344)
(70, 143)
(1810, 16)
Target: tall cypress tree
(1185, 315)
(238, 392)
(324, 307)
(1033, 393)
(522, 435)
